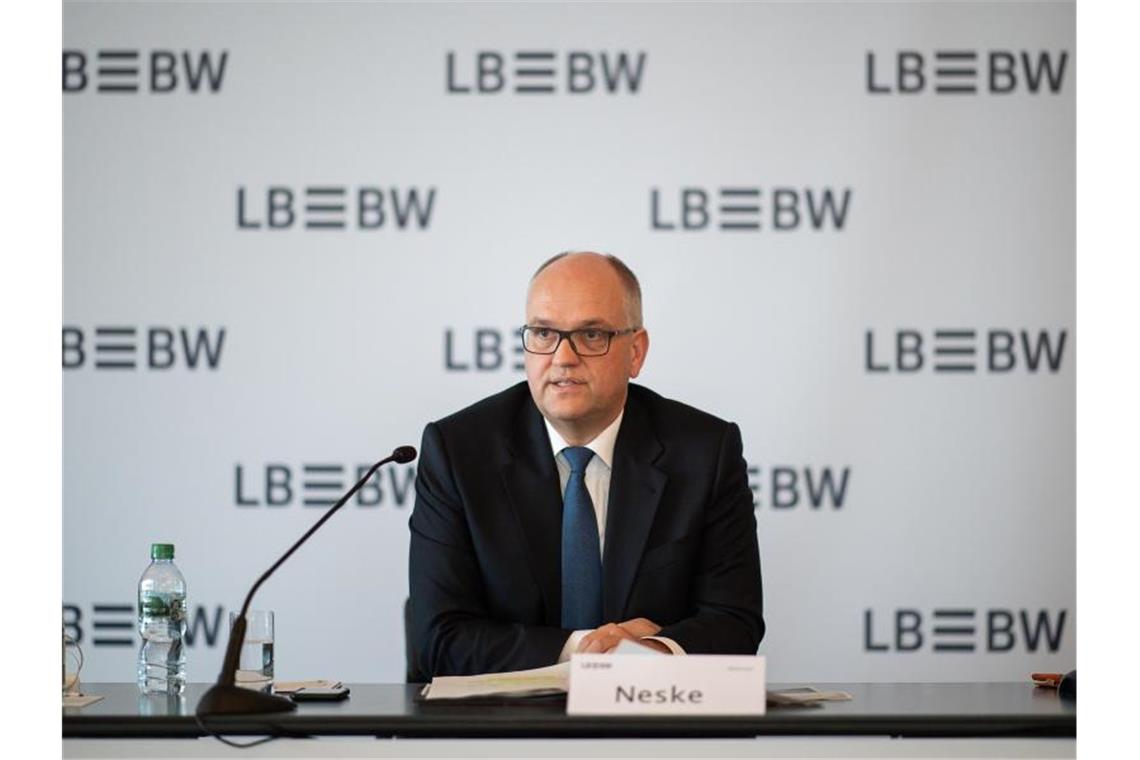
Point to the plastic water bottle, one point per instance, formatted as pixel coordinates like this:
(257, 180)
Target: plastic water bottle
(162, 622)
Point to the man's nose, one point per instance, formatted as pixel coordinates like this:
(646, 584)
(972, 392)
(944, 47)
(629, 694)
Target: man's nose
(565, 354)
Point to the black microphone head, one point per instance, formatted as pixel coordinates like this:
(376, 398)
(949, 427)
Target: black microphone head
(404, 454)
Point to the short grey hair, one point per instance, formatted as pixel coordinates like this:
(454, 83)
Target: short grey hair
(628, 280)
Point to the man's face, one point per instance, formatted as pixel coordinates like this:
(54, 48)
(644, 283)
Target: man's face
(580, 395)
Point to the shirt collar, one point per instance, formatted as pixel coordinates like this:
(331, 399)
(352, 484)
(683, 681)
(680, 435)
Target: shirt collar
(602, 445)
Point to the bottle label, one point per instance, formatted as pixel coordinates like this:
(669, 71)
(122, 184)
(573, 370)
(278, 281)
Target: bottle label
(156, 605)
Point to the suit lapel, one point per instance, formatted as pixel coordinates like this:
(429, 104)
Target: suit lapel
(531, 481)
(636, 486)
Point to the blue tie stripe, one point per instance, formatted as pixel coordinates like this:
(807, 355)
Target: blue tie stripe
(581, 554)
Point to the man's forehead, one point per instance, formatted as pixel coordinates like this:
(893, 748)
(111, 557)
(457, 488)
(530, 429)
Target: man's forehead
(583, 289)
(583, 281)
(581, 305)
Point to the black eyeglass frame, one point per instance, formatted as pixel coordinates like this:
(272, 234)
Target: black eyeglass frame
(568, 335)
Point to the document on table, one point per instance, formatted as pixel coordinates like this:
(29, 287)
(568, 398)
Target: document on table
(805, 695)
(80, 700)
(553, 679)
(538, 682)
(292, 687)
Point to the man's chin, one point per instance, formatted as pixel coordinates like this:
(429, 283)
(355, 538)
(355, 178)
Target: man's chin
(568, 407)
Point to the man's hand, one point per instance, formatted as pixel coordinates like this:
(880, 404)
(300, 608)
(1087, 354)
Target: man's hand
(640, 627)
(603, 639)
(606, 638)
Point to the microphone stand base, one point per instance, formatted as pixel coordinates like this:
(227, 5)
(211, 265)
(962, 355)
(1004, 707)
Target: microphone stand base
(233, 700)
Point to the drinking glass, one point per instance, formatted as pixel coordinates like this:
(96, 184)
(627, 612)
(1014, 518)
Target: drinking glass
(255, 666)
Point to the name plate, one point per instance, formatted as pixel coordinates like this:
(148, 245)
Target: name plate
(700, 684)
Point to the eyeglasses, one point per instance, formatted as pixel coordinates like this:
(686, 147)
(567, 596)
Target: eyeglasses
(589, 341)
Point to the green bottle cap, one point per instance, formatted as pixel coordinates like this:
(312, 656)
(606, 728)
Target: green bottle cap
(162, 551)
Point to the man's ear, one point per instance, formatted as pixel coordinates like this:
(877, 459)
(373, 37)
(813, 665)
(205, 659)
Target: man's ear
(640, 347)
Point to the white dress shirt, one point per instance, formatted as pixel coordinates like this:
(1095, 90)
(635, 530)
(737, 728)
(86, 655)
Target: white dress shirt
(597, 478)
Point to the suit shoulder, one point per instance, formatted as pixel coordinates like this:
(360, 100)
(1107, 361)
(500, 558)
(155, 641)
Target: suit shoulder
(674, 417)
(486, 414)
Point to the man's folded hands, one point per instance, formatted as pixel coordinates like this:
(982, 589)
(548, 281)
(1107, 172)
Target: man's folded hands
(607, 637)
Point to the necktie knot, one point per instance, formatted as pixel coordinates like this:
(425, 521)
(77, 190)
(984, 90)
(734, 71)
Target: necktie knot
(578, 457)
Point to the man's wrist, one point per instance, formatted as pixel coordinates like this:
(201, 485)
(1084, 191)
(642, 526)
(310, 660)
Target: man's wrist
(662, 644)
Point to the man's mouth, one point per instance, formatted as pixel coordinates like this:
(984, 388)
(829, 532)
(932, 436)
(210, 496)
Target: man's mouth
(565, 383)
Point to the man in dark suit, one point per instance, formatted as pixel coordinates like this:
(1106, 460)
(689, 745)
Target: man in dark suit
(576, 510)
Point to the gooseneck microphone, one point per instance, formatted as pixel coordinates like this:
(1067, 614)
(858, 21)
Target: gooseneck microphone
(225, 697)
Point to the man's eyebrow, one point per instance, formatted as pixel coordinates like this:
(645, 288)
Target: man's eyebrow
(577, 326)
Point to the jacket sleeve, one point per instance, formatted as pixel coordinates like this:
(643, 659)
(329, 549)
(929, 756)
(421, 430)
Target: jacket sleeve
(452, 633)
(727, 596)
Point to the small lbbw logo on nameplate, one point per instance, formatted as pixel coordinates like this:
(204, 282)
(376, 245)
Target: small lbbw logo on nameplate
(603, 684)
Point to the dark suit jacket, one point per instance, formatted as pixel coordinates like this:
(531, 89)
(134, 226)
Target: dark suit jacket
(486, 534)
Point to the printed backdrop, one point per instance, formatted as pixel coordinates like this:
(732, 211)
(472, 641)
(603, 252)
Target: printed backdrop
(294, 233)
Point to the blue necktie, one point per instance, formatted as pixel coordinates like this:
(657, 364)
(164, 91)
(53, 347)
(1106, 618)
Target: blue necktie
(581, 555)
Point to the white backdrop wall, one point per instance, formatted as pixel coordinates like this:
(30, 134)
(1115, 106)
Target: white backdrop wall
(853, 223)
